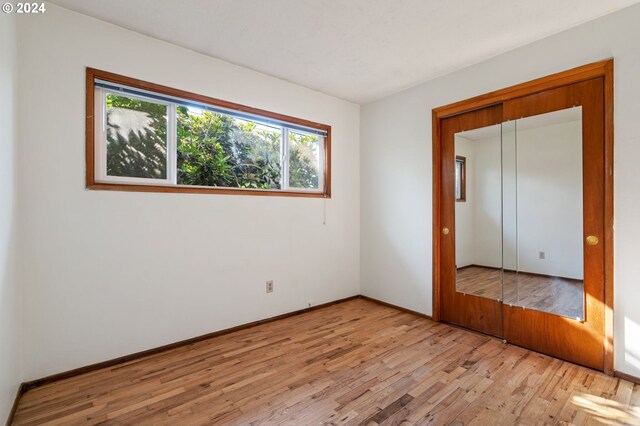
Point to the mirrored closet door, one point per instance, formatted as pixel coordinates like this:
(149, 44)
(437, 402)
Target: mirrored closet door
(522, 215)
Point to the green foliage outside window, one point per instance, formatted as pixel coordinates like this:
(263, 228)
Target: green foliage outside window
(136, 138)
(303, 161)
(217, 150)
(212, 149)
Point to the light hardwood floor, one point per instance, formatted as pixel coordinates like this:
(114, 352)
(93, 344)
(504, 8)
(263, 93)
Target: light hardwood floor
(560, 296)
(352, 363)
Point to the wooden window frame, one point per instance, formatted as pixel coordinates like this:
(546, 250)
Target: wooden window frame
(463, 179)
(92, 183)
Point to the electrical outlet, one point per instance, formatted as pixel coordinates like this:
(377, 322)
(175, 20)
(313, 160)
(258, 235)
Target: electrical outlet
(541, 255)
(269, 286)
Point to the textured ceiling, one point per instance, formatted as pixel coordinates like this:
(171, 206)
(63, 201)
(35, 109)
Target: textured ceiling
(359, 50)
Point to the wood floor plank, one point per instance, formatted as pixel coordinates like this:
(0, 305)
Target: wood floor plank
(352, 363)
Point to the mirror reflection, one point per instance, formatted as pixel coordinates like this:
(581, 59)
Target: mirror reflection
(478, 216)
(519, 223)
(549, 222)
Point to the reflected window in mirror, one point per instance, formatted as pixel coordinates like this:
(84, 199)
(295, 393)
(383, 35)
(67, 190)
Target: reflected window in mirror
(461, 185)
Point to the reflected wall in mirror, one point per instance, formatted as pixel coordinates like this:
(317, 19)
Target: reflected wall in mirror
(549, 213)
(478, 220)
(510, 213)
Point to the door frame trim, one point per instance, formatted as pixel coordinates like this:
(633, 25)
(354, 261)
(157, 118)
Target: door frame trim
(598, 69)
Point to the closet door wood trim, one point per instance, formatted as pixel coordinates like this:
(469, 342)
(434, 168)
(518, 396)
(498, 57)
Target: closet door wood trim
(599, 69)
(564, 78)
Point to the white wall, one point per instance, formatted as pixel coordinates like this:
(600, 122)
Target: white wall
(396, 167)
(510, 196)
(10, 303)
(465, 235)
(111, 273)
(523, 201)
(549, 198)
(487, 209)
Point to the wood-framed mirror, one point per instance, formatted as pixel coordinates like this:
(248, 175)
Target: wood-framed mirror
(528, 255)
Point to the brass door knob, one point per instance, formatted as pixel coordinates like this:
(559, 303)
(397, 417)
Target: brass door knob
(445, 231)
(592, 240)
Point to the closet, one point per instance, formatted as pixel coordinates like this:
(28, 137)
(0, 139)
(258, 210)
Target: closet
(522, 215)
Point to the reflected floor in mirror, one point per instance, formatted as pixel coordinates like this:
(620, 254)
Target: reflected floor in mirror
(560, 296)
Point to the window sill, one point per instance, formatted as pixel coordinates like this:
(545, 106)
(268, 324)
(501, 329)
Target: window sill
(203, 190)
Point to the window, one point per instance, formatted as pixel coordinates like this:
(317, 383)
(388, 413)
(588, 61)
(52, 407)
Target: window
(147, 137)
(461, 179)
